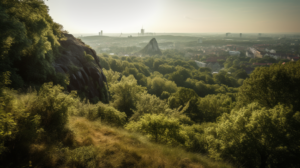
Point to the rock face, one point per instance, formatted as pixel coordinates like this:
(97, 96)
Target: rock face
(82, 65)
(151, 48)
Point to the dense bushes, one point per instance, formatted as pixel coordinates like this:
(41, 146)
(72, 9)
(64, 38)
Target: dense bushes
(28, 41)
(170, 71)
(32, 117)
(41, 117)
(159, 128)
(272, 85)
(255, 135)
(125, 94)
(260, 134)
(99, 111)
(158, 85)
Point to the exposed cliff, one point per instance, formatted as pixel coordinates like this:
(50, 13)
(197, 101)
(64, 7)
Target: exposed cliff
(82, 65)
(151, 48)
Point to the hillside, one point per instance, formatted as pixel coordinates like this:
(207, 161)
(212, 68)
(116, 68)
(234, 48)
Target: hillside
(151, 48)
(62, 105)
(55, 129)
(116, 147)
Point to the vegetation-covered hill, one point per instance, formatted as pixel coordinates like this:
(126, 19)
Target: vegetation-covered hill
(35, 50)
(163, 111)
(50, 128)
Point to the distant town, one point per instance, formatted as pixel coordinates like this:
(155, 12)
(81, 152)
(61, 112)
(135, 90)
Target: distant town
(207, 50)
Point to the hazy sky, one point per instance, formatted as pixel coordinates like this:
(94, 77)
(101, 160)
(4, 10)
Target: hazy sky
(177, 16)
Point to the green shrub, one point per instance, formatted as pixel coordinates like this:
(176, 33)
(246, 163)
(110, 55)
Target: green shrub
(159, 128)
(125, 94)
(104, 112)
(88, 57)
(111, 115)
(30, 118)
(82, 157)
(257, 136)
(148, 104)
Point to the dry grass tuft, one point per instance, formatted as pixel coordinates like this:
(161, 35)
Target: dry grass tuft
(115, 147)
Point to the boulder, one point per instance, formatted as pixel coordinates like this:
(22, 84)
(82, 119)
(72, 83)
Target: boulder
(86, 76)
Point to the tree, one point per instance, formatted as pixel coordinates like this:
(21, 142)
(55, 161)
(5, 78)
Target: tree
(272, 85)
(159, 128)
(29, 41)
(181, 97)
(241, 73)
(125, 94)
(148, 104)
(157, 85)
(180, 76)
(213, 106)
(255, 136)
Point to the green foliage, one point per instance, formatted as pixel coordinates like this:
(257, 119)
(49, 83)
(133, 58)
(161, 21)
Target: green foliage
(85, 156)
(99, 111)
(224, 78)
(165, 69)
(125, 94)
(4, 80)
(255, 136)
(196, 141)
(158, 85)
(115, 65)
(272, 85)
(52, 108)
(200, 87)
(29, 41)
(36, 116)
(180, 75)
(103, 62)
(240, 74)
(159, 128)
(213, 106)
(181, 97)
(165, 95)
(157, 63)
(111, 76)
(88, 57)
(148, 104)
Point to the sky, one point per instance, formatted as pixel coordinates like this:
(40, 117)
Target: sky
(176, 16)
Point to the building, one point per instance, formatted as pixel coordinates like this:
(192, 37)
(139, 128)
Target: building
(101, 33)
(142, 31)
(200, 64)
(249, 54)
(236, 53)
(256, 53)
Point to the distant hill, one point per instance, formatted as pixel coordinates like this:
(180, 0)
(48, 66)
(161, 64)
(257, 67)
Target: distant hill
(151, 48)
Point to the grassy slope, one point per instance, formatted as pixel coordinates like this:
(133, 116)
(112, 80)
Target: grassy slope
(115, 147)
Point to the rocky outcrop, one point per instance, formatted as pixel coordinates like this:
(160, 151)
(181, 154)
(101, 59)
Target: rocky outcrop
(82, 65)
(151, 48)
